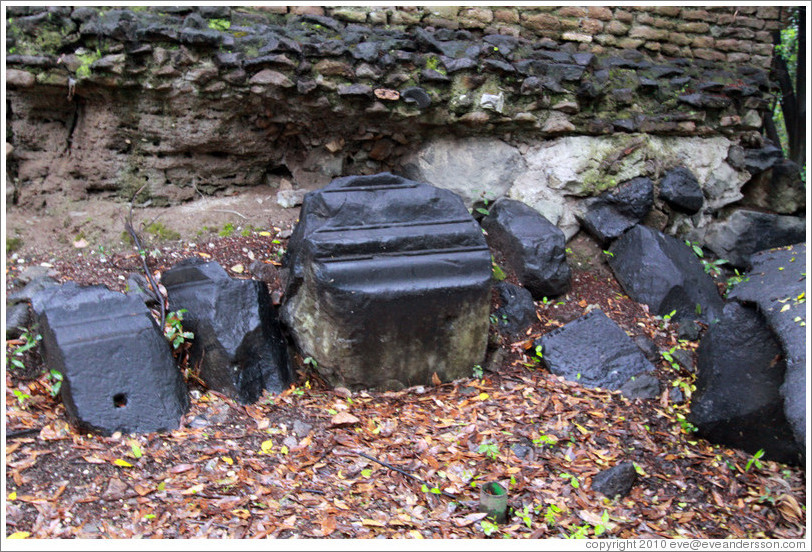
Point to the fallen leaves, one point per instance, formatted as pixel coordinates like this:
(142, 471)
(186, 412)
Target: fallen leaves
(343, 419)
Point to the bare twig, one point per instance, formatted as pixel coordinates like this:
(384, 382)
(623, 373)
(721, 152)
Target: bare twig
(402, 472)
(230, 211)
(128, 226)
(22, 433)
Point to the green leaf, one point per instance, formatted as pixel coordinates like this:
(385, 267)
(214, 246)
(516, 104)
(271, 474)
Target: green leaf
(136, 448)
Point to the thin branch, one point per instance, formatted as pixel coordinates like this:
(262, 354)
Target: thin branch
(128, 226)
(230, 211)
(22, 433)
(402, 472)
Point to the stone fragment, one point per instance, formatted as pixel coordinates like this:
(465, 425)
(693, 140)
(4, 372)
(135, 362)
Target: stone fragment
(593, 351)
(271, 77)
(746, 232)
(389, 283)
(532, 246)
(644, 386)
(517, 311)
(613, 212)
(288, 199)
(737, 401)
(238, 344)
(681, 190)
(18, 318)
(648, 347)
(776, 280)
(665, 274)
(117, 367)
(615, 481)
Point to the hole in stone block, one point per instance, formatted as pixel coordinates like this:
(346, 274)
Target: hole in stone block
(120, 400)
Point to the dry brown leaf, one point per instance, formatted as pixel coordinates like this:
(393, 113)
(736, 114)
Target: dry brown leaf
(342, 419)
(435, 380)
(790, 509)
(328, 525)
(469, 519)
(58, 429)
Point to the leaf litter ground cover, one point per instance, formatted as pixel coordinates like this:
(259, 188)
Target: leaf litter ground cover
(303, 463)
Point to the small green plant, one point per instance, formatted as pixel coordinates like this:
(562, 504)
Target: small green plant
(489, 449)
(484, 210)
(434, 490)
(219, 24)
(580, 532)
(488, 527)
(21, 397)
(477, 371)
(498, 273)
(669, 358)
(755, 460)
(551, 514)
(573, 480)
(30, 341)
(310, 361)
(735, 280)
(54, 381)
(543, 440)
(525, 517)
(13, 244)
(711, 267)
(160, 231)
(686, 426)
(227, 230)
(601, 527)
(608, 253)
(173, 329)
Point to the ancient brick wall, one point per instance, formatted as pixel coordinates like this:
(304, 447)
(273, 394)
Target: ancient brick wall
(716, 33)
(202, 99)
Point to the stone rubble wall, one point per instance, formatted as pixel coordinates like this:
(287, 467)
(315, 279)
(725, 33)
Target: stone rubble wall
(200, 100)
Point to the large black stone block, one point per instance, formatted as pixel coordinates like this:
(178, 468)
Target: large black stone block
(737, 401)
(117, 367)
(776, 283)
(389, 282)
(665, 274)
(594, 351)
(533, 247)
(238, 343)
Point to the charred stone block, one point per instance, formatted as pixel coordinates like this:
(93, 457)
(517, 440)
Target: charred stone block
(610, 214)
(532, 245)
(594, 351)
(776, 280)
(389, 282)
(238, 343)
(117, 367)
(617, 480)
(664, 273)
(738, 402)
(681, 190)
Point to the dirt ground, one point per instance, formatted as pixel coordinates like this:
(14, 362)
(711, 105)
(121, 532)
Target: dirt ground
(97, 222)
